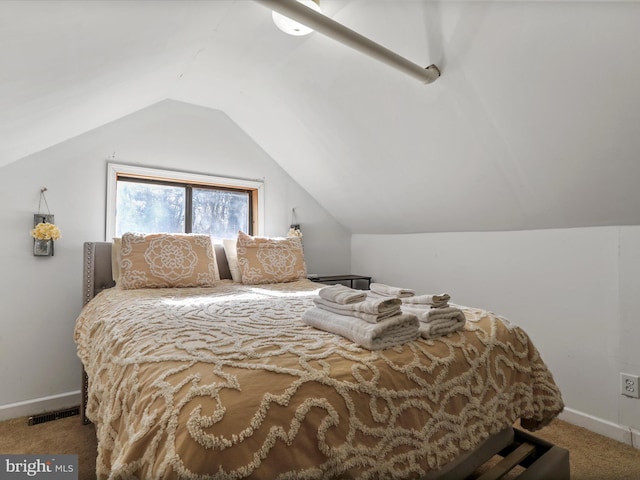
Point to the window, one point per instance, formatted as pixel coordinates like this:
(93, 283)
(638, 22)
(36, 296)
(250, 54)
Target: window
(149, 200)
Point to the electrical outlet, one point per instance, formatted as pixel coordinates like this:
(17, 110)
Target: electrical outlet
(629, 385)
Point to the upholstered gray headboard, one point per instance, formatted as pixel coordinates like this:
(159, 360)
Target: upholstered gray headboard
(96, 269)
(97, 276)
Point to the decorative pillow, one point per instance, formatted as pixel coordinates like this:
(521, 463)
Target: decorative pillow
(161, 260)
(270, 260)
(229, 245)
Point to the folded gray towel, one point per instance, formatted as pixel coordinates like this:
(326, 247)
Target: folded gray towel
(342, 294)
(392, 331)
(389, 291)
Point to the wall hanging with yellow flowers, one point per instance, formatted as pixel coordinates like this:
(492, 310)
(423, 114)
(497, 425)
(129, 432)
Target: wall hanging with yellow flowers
(44, 232)
(294, 227)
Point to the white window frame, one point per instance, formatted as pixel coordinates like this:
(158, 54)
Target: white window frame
(115, 169)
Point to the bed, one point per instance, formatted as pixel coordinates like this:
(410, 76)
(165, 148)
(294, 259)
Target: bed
(225, 381)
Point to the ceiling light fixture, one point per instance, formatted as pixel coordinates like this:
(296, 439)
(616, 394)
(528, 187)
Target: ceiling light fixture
(291, 26)
(297, 11)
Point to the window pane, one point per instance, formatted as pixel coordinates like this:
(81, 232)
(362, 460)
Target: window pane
(220, 213)
(149, 208)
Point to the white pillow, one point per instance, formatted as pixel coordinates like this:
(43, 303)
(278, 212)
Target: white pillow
(229, 245)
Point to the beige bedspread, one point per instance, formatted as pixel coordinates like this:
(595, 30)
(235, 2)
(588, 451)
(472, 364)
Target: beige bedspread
(227, 382)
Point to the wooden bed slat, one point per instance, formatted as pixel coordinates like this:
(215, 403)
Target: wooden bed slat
(509, 462)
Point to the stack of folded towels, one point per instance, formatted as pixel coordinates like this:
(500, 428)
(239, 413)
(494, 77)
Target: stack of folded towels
(371, 323)
(437, 317)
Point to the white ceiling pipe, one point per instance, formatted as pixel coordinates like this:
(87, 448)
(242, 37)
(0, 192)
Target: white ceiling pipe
(325, 25)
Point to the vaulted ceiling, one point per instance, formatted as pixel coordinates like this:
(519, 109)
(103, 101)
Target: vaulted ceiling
(535, 122)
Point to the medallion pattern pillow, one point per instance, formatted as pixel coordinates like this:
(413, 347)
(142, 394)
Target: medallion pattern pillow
(270, 260)
(162, 260)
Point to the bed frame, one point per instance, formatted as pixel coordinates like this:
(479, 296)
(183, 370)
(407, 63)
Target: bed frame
(540, 459)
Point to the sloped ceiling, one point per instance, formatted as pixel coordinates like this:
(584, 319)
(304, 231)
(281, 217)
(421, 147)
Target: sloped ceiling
(535, 122)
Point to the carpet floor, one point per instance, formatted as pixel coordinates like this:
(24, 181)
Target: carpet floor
(592, 456)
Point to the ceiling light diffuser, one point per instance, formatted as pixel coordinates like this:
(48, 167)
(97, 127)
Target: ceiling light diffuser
(292, 27)
(312, 18)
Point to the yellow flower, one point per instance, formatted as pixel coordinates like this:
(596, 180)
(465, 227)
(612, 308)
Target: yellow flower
(46, 231)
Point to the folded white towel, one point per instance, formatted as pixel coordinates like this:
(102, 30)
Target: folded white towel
(376, 296)
(429, 314)
(342, 294)
(371, 311)
(440, 328)
(370, 305)
(441, 300)
(392, 331)
(389, 291)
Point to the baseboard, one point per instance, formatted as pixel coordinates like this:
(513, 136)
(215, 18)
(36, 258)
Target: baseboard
(612, 430)
(39, 405)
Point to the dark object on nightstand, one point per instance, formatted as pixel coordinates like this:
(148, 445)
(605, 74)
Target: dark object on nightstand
(332, 279)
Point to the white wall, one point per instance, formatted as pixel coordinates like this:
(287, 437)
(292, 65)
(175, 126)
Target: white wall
(40, 298)
(575, 291)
